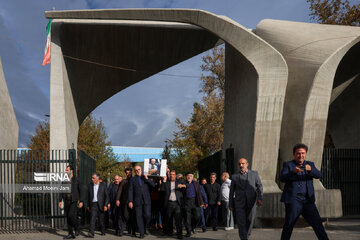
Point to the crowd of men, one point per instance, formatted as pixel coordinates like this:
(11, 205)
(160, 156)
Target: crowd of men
(171, 202)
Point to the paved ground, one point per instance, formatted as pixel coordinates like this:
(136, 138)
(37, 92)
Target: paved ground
(348, 229)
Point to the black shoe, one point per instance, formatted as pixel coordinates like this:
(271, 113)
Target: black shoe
(133, 235)
(179, 237)
(77, 233)
(188, 234)
(102, 234)
(141, 236)
(70, 236)
(214, 228)
(119, 234)
(91, 235)
(193, 231)
(204, 229)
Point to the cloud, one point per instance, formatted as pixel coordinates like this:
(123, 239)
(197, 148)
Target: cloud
(141, 115)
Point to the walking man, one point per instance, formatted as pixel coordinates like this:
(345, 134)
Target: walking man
(214, 200)
(298, 194)
(71, 203)
(173, 202)
(225, 192)
(115, 211)
(193, 203)
(247, 187)
(98, 202)
(139, 199)
(122, 201)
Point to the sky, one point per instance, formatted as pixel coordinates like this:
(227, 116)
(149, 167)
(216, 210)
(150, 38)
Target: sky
(131, 117)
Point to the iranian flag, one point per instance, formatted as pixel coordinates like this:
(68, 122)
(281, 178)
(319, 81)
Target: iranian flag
(46, 59)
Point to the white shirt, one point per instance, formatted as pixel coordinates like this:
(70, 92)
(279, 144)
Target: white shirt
(225, 190)
(96, 188)
(172, 196)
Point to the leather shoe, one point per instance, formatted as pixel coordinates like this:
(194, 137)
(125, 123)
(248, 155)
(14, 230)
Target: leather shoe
(102, 234)
(70, 236)
(204, 229)
(91, 235)
(188, 234)
(141, 236)
(215, 229)
(179, 237)
(77, 233)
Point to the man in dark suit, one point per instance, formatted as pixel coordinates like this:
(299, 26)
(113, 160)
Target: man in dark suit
(122, 201)
(298, 194)
(98, 202)
(139, 199)
(173, 202)
(71, 202)
(214, 200)
(115, 211)
(247, 187)
(193, 201)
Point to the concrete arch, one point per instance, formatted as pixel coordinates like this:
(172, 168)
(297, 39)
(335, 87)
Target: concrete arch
(254, 98)
(321, 96)
(343, 117)
(9, 128)
(313, 53)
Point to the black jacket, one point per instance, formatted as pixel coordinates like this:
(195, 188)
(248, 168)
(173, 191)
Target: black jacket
(75, 194)
(179, 192)
(102, 195)
(140, 195)
(213, 193)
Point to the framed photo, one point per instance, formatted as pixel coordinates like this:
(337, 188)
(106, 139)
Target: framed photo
(155, 167)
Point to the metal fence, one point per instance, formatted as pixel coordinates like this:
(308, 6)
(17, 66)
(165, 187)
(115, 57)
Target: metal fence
(86, 169)
(34, 211)
(340, 170)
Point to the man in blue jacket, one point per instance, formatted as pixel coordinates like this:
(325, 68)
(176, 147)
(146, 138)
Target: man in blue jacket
(298, 194)
(139, 199)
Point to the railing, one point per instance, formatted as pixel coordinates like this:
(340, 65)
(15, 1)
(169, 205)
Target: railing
(340, 170)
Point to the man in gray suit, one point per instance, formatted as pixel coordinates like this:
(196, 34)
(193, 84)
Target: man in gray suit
(247, 188)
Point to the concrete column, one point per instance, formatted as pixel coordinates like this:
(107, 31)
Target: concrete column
(64, 125)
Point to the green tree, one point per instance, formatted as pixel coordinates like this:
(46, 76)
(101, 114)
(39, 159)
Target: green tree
(335, 12)
(202, 134)
(92, 139)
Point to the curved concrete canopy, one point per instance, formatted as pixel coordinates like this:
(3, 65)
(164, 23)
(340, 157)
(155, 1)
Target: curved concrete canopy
(9, 129)
(313, 53)
(256, 74)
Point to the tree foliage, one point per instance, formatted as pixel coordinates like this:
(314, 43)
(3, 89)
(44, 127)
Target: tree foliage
(92, 139)
(202, 134)
(335, 12)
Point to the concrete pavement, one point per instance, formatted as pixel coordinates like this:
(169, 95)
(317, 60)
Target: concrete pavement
(344, 229)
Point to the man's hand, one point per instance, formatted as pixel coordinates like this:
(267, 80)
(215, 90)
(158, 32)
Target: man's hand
(297, 170)
(259, 202)
(130, 205)
(230, 208)
(206, 205)
(308, 167)
(219, 203)
(88, 209)
(146, 176)
(60, 204)
(164, 179)
(202, 205)
(105, 208)
(181, 186)
(81, 204)
(117, 203)
(108, 205)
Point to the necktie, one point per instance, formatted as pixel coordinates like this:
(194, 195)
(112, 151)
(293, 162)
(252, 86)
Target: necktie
(140, 181)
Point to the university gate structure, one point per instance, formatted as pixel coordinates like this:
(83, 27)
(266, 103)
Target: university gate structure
(286, 82)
